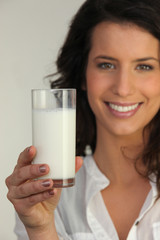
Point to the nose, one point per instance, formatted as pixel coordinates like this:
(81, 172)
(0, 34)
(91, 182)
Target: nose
(124, 84)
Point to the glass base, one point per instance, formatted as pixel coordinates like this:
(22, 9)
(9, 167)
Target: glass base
(63, 183)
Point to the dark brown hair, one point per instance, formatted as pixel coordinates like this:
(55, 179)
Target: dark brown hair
(73, 57)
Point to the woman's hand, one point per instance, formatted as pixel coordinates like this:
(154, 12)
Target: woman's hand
(34, 201)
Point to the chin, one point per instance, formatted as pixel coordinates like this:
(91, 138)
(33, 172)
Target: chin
(126, 132)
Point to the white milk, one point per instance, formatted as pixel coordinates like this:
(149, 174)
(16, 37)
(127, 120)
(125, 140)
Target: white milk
(54, 138)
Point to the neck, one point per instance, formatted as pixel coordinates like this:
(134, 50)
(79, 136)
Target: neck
(116, 156)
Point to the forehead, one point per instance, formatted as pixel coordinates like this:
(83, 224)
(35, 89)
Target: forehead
(125, 37)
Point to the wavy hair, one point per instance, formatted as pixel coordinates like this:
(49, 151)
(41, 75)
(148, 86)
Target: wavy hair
(72, 62)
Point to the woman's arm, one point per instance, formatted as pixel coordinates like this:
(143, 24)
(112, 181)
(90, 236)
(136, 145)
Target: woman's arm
(49, 233)
(34, 201)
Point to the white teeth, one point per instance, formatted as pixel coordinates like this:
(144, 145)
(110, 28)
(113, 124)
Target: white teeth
(123, 108)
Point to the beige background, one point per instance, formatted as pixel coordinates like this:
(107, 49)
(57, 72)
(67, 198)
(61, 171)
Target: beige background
(31, 32)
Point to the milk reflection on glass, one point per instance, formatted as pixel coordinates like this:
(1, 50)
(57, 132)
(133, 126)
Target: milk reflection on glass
(53, 121)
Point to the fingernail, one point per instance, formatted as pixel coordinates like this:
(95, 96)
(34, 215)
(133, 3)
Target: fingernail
(42, 169)
(51, 192)
(28, 149)
(46, 183)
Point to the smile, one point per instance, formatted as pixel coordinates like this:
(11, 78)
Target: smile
(123, 108)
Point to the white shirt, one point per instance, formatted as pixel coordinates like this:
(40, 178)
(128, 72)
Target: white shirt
(82, 215)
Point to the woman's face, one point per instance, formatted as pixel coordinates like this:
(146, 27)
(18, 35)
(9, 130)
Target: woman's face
(123, 78)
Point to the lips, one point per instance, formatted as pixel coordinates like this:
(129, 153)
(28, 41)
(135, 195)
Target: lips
(123, 110)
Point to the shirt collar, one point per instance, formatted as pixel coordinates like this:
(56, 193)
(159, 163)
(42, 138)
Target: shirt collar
(96, 181)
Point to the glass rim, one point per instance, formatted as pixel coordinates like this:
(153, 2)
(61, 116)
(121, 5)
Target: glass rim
(52, 89)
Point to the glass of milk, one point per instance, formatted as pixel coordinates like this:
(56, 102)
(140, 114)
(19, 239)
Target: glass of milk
(53, 133)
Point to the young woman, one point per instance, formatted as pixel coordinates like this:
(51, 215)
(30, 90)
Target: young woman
(111, 56)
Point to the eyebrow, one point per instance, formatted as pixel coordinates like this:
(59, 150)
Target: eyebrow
(146, 59)
(107, 58)
(137, 60)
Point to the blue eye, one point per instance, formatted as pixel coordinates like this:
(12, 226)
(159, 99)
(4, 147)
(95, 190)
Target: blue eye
(145, 67)
(107, 66)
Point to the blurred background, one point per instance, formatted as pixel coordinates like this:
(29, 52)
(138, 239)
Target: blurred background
(31, 33)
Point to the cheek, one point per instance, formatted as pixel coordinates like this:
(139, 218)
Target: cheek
(149, 85)
(95, 81)
(93, 90)
(91, 82)
(152, 89)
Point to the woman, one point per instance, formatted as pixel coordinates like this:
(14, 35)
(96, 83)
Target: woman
(111, 56)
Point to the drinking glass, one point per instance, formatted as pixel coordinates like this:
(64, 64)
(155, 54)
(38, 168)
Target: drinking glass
(53, 133)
